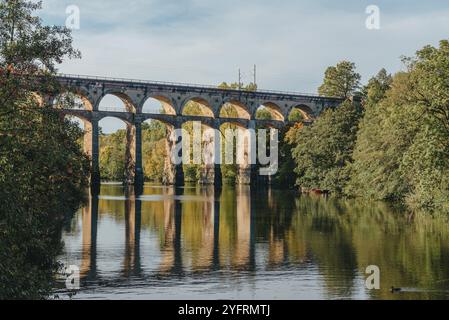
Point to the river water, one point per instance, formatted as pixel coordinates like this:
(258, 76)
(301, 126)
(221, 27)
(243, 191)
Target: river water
(195, 243)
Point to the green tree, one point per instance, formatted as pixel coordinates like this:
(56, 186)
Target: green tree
(340, 81)
(296, 116)
(323, 150)
(286, 176)
(235, 86)
(263, 114)
(154, 150)
(43, 173)
(402, 148)
(429, 77)
(112, 156)
(377, 87)
(113, 146)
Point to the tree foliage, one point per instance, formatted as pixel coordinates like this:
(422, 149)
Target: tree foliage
(340, 81)
(43, 172)
(113, 150)
(402, 150)
(323, 150)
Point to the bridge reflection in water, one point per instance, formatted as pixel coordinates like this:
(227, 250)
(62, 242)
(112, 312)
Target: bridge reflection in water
(197, 242)
(187, 220)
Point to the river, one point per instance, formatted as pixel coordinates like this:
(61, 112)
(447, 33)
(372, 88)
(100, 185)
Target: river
(241, 244)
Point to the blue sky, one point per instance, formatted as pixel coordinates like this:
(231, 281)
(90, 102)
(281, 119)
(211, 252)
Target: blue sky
(206, 41)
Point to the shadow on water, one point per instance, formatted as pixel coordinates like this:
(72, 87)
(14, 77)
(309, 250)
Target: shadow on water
(234, 242)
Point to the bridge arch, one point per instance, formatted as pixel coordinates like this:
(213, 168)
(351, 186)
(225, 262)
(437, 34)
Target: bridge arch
(79, 115)
(269, 124)
(85, 124)
(124, 117)
(304, 110)
(197, 106)
(270, 108)
(77, 100)
(169, 120)
(233, 108)
(157, 103)
(121, 102)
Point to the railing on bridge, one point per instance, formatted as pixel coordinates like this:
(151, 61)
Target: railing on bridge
(187, 85)
(112, 109)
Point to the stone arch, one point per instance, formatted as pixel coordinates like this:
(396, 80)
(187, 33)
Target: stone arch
(206, 121)
(87, 129)
(233, 108)
(78, 99)
(273, 109)
(270, 124)
(83, 116)
(128, 103)
(168, 120)
(193, 105)
(167, 104)
(115, 115)
(238, 122)
(306, 111)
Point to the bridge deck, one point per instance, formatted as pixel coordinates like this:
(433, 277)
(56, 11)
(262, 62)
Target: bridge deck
(135, 83)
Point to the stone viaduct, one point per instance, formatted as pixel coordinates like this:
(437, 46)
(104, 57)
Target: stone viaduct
(174, 97)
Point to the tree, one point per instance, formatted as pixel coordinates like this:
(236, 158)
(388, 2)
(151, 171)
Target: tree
(377, 87)
(296, 116)
(235, 86)
(286, 176)
(263, 114)
(112, 156)
(323, 150)
(154, 149)
(429, 77)
(340, 81)
(402, 148)
(43, 172)
(384, 135)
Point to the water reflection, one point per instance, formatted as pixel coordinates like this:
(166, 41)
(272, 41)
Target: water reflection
(197, 242)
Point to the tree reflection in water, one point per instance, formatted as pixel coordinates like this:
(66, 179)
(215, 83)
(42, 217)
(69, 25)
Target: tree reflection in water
(239, 239)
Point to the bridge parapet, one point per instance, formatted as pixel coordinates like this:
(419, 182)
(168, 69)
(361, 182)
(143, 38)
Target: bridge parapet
(134, 93)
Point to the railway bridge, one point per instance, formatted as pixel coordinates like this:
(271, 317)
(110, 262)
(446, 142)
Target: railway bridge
(174, 99)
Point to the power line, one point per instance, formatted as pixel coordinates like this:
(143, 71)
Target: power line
(241, 75)
(240, 79)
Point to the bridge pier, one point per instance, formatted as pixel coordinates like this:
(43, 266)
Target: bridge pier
(179, 176)
(211, 150)
(91, 148)
(138, 173)
(133, 157)
(218, 181)
(173, 173)
(246, 157)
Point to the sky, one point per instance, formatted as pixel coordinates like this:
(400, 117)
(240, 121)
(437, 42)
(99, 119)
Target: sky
(292, 42)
